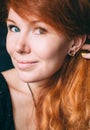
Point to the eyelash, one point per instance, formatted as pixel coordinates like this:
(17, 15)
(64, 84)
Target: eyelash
(11, 27)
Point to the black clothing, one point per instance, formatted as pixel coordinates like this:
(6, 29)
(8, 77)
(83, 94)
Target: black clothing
(6, 114)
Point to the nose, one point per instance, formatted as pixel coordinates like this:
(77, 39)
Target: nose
(22, 45)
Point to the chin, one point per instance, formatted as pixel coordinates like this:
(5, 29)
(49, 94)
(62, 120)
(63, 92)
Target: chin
(25, 79)
(28, 79)
(31, 77)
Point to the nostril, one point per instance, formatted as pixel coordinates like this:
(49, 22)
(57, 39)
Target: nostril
(22, 48)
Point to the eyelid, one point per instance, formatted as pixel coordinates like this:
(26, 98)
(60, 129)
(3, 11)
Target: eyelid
(43, 30)
(11, 26)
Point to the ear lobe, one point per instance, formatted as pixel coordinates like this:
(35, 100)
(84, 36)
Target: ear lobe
(76, 44)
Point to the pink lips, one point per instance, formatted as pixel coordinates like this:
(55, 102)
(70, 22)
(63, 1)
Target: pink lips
(25, 65)
(26, 62)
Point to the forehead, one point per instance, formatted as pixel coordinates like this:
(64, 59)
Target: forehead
(13, 15)
(29, 17)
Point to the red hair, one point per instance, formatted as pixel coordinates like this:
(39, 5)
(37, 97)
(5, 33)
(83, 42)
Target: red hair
(65, 102)
(66, 15)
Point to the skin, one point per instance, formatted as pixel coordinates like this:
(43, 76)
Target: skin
(36, 48)
(37, 51)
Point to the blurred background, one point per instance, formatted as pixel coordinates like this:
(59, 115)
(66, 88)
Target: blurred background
(5, 61)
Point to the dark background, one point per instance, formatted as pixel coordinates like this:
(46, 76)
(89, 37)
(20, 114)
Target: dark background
(5, 61)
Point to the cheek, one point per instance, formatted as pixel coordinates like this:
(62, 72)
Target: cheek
(44, 48)
(50, 47)
(9, 45)
(53, 57)
(52, 50)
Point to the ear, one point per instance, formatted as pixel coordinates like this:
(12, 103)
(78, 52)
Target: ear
(76, 44)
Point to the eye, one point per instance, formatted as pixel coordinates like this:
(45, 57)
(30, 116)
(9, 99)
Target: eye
(39, 31)
(13, 28)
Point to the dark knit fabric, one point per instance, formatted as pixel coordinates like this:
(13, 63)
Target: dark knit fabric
(6, 114)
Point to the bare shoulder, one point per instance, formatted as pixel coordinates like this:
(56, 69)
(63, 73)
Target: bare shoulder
(13, 81)
(10, 76)
(8, 72)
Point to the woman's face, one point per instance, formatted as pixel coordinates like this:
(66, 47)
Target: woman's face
(36, 49)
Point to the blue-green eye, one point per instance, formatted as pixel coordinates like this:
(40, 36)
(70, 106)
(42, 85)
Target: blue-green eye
(13, 28)
(39, 31)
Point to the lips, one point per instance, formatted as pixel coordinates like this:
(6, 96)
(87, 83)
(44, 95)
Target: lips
(26, 62)
(25, 65)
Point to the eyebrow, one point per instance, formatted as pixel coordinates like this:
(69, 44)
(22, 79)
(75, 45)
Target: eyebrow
(35, 21)
(32, 22)
(9, 20)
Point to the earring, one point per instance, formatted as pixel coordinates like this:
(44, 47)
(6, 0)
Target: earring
(71, 53)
